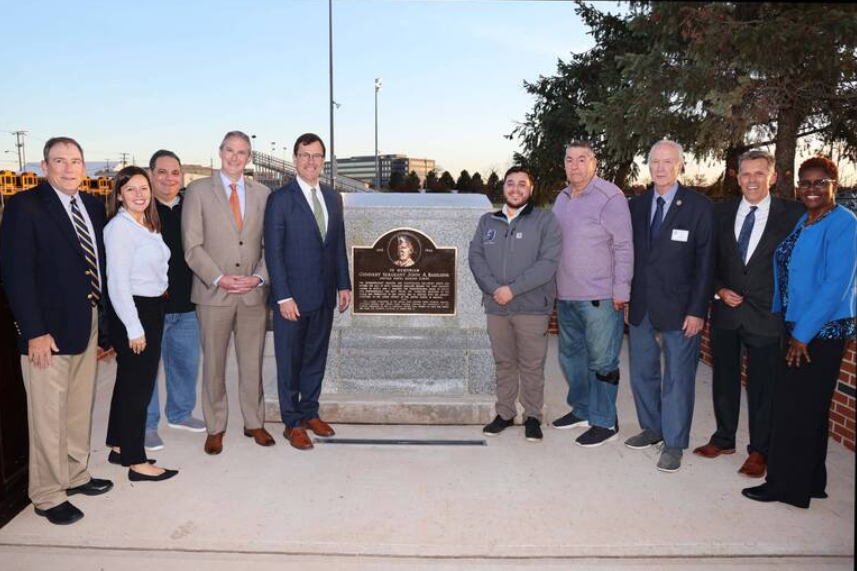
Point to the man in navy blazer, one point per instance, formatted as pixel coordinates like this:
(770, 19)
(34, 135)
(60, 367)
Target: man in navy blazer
(308, 267)
(52, 258)
(670, 293)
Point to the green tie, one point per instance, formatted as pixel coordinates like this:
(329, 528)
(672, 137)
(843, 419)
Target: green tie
(319, 214)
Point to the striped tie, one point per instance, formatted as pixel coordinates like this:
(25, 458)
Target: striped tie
(88, 251)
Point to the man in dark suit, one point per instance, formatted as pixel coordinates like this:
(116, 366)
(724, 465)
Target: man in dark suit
(670, 293)
(308, 266)
(747, 231)
(52, 258)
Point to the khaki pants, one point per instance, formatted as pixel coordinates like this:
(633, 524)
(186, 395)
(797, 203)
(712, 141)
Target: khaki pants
(216, 325)
(520, 346)
(59, 413)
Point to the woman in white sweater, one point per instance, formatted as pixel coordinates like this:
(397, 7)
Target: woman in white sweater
(137, 261)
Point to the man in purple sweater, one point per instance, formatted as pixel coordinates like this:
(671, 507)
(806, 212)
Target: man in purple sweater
(593, 285)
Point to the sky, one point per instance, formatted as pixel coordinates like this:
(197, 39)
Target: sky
(133, 77)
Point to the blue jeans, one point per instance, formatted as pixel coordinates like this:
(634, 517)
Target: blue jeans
(180, 354)
(590, 339)
(664, 405)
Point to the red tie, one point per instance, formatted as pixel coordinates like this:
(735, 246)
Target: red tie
(236, 206)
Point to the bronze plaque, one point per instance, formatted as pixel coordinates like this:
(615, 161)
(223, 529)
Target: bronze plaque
(404, 273)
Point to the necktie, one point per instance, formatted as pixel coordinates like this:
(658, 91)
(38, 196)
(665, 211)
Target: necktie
(655, 229)
(746, 230)
(319, 214)
(88, 251)
(236, 206)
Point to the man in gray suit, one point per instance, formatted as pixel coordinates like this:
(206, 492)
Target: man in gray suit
(222, 226)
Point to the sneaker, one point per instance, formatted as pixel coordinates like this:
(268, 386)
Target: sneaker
(570, 421)
(644, 440)
(152, 441)
(596, 436)
(190, 423)
(533, 429)
(497, 426)
(670, 460)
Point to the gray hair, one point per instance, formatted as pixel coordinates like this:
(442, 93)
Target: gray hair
(579, 144)
(755, 154)
(236, 134)
(676, 147)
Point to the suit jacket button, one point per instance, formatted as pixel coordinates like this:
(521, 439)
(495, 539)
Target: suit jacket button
(237, 265)
(240, 243)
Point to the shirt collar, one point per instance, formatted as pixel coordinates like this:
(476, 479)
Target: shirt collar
(307, 187)
(64, 198)
(764, 205)
(172, 203)
(227, 181)
(667, 196)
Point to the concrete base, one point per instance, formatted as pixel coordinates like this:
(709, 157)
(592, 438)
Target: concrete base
(397, 409)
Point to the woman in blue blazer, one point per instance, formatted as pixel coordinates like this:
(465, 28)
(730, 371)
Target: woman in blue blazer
(815, 269)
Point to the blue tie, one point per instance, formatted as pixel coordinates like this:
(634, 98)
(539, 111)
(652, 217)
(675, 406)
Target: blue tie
(655, 229)
(746, 230)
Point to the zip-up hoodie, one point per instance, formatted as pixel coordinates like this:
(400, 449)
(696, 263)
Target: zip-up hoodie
(522, 254)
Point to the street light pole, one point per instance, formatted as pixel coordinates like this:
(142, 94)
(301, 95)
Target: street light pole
(377, 162)
(332, 102)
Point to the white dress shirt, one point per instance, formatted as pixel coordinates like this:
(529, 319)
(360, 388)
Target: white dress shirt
(762, 212)
(137, 264)
(66, 202)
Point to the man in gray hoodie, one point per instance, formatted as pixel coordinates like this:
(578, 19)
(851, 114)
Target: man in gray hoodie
(514, 256)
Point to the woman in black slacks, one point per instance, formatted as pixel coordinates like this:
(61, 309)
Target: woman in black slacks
(137, 261)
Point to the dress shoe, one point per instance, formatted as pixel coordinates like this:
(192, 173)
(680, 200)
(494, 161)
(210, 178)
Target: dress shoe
(260, 435)
(755, 465)
(214, 443)
(761, 493)
(712, 451)
(116, 458)
(298, 438)
(318, 426)
(135, 476)
(94, 487)
(63, 514)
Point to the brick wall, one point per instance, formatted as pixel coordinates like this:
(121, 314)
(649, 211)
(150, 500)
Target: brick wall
(842, 409)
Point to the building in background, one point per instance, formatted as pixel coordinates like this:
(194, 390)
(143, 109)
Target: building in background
(362, 168)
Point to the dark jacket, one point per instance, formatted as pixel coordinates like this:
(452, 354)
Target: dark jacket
(672, 278)
(44, 270)
(755, 281)
(179, 275)
(523, 255)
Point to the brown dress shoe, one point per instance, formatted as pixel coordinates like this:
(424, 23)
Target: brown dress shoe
(755, 466)
(260, 435)
(214, 443)
(320, 427)
(712, 451)
(298, 438)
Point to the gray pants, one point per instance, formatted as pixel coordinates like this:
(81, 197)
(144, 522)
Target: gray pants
(520, 345)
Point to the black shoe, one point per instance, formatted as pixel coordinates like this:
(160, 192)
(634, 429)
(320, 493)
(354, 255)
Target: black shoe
(570, 421)
(63, 514)
(497, 426)
(94, 487)
(596, 436)
(135, 476)
(533, 429)
(116, 458)
(759, 493)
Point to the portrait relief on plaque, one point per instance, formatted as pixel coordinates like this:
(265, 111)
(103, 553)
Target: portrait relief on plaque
(404, 273)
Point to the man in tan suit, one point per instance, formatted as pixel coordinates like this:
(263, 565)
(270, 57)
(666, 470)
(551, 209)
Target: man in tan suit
(222, 233)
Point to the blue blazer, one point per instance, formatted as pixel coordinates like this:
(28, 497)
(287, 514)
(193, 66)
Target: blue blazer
(300, 264)
(672, 278)
(822, 274)
(44, 271)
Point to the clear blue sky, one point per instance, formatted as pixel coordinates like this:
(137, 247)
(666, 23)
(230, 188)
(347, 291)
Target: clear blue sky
(137, 76)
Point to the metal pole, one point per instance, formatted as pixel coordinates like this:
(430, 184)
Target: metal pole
(377, 162)
(330, 55)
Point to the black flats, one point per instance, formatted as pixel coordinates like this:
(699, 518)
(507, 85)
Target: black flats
(135, 476)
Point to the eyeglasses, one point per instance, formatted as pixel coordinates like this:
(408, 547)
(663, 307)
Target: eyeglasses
(307, 156)
(818, 184)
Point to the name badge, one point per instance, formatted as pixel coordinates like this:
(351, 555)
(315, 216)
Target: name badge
(680, 235)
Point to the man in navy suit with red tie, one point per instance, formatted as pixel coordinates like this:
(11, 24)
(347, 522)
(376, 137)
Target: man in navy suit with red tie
(308, 266)
(52, 258)
(670, 293)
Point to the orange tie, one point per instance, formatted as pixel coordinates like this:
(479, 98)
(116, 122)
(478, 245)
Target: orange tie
(236, 206)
